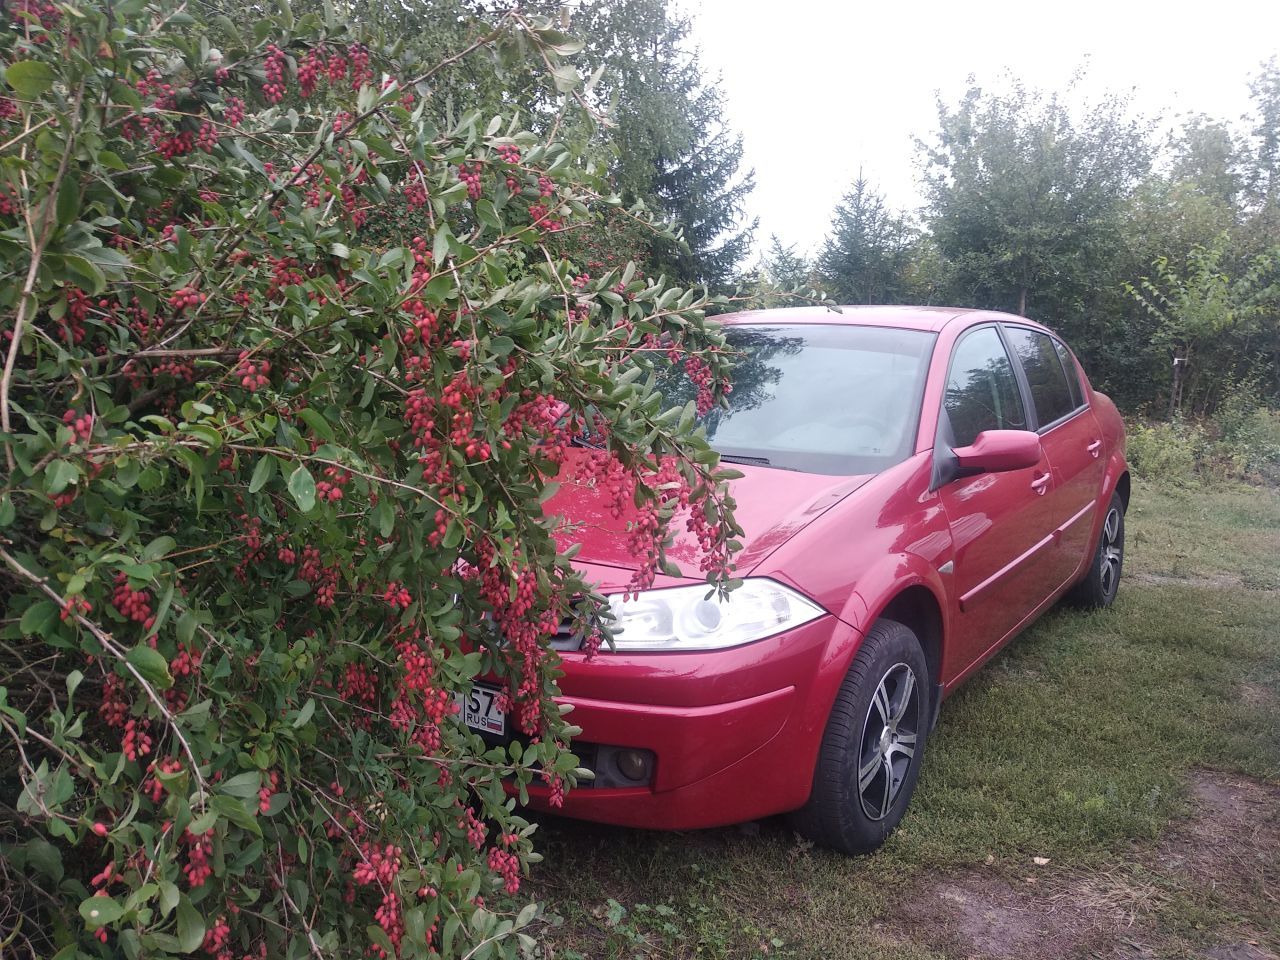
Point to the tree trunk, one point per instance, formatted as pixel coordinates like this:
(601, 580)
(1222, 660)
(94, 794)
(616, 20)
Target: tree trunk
(1175, 389)
(1022, 302)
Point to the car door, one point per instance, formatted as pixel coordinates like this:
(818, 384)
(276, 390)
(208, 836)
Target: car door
(1071, 440)
(999, 522)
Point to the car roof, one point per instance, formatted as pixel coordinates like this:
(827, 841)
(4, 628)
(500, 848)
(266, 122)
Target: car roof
(905, 317)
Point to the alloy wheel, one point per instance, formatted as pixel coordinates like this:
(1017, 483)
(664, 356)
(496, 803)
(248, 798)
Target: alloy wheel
(889, 737)
(1112, 553)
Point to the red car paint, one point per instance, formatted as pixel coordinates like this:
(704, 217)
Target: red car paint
(736, 732)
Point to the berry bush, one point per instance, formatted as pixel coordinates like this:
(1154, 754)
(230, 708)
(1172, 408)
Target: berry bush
(272, 490)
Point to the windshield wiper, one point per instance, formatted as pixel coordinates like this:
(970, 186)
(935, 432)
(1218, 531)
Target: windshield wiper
(741, 458)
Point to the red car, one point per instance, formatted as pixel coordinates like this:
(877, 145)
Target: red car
(920, 484)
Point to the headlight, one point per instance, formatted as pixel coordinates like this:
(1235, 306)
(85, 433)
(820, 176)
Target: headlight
(685, 618)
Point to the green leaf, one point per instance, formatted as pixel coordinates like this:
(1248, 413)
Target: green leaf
(262, 473)
(440, 246)
(234, 810)
(378, 937)
(7, 511)
(190, 925)
(151, 665)
(99, 911)
(159, 547)
(197, 717)
(565, 78)
(39, 618)
(384, 517)
(68, 205)
(439, 288)
(303, 488)
(305, 713)
(561, 43)
(242, 784)
(111, 160)
(168, 897)
(30, 78)
(61, 474)
(45, 857)
(488, 214)
(317, 422)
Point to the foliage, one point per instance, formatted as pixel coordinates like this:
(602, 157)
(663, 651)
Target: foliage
(1241, 443)
(669, 147)
(1022, 195)
(1206, 155)
(782, 266)
(1264, 177)
(272, 492)
(783, 278)
(1165, 451)
(867, 255)
(1203, 307)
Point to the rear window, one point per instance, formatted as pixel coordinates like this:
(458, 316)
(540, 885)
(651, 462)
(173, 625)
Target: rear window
(1050, 390)
(1073, 373)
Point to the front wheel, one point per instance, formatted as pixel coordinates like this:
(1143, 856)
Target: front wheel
(1101, 581)
(873, 745)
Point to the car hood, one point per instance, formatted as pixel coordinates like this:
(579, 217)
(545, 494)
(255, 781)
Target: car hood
(772, 506)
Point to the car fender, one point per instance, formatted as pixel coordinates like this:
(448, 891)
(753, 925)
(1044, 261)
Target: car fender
(875, 590)
(878, 585)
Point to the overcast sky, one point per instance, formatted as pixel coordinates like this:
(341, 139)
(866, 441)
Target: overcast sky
(821, 88)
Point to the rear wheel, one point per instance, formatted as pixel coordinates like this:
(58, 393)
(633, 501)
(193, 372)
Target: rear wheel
(1101, 581)
(873, 745)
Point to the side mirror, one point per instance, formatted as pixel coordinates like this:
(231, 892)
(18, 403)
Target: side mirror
(998, 451)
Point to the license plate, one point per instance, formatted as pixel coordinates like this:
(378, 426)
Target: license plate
(479, 709)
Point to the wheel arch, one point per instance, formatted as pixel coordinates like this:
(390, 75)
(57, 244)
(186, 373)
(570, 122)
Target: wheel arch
(910, 590)
(917, 608)
(1122, 488)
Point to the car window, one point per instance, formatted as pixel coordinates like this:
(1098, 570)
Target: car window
(820, 398)
(1050, 392)
(982, 392)
(1073, 373)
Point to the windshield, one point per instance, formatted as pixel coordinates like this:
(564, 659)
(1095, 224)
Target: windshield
(828, 399)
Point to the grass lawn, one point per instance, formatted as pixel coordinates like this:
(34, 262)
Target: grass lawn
(1109, 786)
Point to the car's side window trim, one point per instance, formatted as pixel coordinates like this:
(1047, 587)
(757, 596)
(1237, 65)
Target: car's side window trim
(943, 432)
(1033, 413)
(1072, 369)
(1024, 387)
(943, 418)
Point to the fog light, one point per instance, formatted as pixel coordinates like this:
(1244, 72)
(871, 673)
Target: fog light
(633, 764)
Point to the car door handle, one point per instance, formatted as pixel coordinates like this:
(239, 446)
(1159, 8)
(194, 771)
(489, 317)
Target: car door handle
(1095, 448)
(1040, 484)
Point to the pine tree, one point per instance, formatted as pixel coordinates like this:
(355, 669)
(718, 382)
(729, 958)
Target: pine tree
(669, 145)
(782, 267)
(867, 256)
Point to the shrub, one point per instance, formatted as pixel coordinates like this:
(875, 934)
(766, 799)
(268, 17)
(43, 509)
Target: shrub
(1245, 446)
(272, 496)
(1167, 451)
(1250, 431)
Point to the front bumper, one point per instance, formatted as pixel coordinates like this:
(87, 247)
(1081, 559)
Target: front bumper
(735, 733)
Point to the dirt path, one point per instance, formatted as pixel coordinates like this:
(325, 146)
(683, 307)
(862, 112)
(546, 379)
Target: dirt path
(1227, 854)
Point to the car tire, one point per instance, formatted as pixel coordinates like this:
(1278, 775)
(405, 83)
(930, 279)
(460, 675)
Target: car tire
(854, 814)
(1100, 583)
